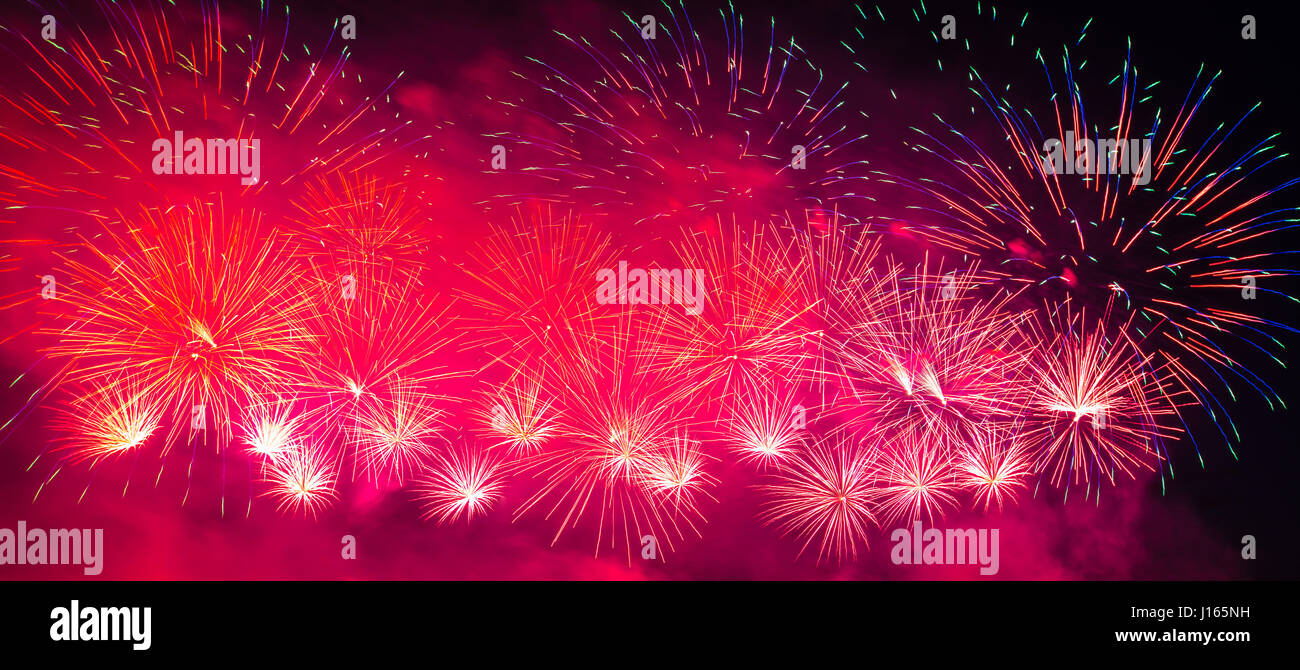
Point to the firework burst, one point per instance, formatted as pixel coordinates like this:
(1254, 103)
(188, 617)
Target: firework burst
(108, 421)
(915, 477)
(993, 467)
(532, 284)
(935, 356)
(302, 479)
(364, 227)
(765, 427)
(825, 495)
(618, 423)
(272, 427)
(744, 326)
(395, 434)
(198, 306)
(1132, 198)
(1099, 405)
(516, 416)
(740, 122)
(95, 100)
(460, 484)
(677, 474)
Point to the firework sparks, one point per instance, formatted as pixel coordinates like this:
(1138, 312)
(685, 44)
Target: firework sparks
(198, 309)
(532, 283)
(302, 479)
(395, 435)
(272, 427)
(460, 484)
(765, 428)
(993, 467)
(825, 495)
(916, 478)
(937, 357)
(109, 421)
(1171, 215)
(518, 418)
(1098, 406)
(701, 127)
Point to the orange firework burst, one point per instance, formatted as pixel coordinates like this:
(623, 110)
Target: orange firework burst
(199, 307)
(117, 79)
(108, 421)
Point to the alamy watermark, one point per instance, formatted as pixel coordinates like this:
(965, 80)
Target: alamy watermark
(921, 546)
(1085, 156)
(211, 156)
(56, 546)
(102, 624)
(658, 286)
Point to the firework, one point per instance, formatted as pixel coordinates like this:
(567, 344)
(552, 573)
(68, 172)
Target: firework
(198, 306)
(374, 340)
(363, 227)
(1133, 198)
(735, 122)
(302, 479)
(677, 474)
(936, 356)
(746, 328)
(395, 434)
(765, 427)
(1099, 405)
(460, 484)
(95, 100)
(824, 495)
(1027, 324)
(843, 283)
(915, 477)
(533, 284)
(618, 423)
(518, 418)
(272, 427)
(994, 466)
(108, 421)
